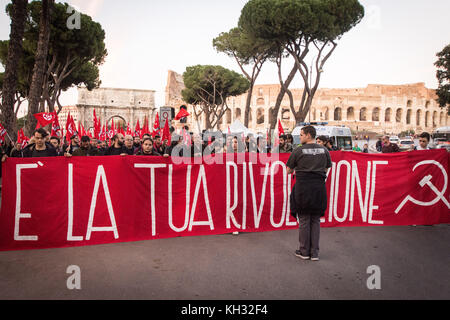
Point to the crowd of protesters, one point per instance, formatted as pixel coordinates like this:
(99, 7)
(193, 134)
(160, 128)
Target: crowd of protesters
(42, 144)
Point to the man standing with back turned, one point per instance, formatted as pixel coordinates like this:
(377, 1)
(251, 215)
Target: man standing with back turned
(310, 163)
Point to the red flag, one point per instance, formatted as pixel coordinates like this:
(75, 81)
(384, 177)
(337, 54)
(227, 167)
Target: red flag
(229, 131)
(103, 133)
(97, 126)
(182, 114)
(280, 128)
(44, 118)
(145, 128)
(129, 133)
(156, 127)
(2, 133)
(56, 129)
(23, 139)
(70, 127)
(138, 130)
(166, 134)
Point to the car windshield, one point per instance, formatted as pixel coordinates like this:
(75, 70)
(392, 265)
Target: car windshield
(407, 142)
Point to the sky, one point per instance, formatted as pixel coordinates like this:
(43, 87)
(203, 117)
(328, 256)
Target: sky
(396, 43)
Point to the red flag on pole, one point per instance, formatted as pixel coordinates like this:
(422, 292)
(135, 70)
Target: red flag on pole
(156, 127)
(44, 118)
(280, 128)
(56, 129)
(182, 114)
(129, 133)
(138, 130)
(70, 127)
(166, 134)
(2, 133)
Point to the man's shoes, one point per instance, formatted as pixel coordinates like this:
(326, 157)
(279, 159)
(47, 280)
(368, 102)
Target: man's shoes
(315, 259)
(299, 254)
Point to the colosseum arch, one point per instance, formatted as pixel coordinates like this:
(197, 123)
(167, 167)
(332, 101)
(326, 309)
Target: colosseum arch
(313, 114)
(376, 114)
(260, 102)
(260, 116)
(237, 114)
(435, 118)
(427, 104)
(350, 113)
(398, 116)
(271, 116)
(324, 114)
(427, 119)
(418, 117)
(228, 116)
(388, 115)
(408, 116)
(442, 119)
(338, 114)
(363, 114)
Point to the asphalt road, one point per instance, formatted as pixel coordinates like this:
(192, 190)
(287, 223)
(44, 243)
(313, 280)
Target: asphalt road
(414, 264)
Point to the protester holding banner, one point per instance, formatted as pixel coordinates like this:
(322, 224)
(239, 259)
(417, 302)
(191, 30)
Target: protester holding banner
(148, 149)
(389, 147)
(17, 151)
(56, 143)
(424, 140)
(74, 144)
(129, 145)
(117, 146)
(310, 163)
(85, 149)
(40, 149)
(157, 145)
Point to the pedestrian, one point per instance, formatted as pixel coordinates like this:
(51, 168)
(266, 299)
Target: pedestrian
(40, 149)
(389, 147)
(366, 148)
(356, 148)
(148, 149)
(424, 140)
(117, 146)
(379, 145)
(136, 144)
(310, 162)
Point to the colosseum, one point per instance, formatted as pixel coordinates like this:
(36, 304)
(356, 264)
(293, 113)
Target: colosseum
(378, 108)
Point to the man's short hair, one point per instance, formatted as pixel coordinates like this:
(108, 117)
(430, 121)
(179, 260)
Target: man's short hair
(425, 135)
(147, 139)
(157, 136)
(283, 136)
(309, 130)
(85, 139)
(73, 137)
(41, 132)
(322, 138)
(56, 138)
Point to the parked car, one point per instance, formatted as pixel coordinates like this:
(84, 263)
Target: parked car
(405, 144)
(394, 139)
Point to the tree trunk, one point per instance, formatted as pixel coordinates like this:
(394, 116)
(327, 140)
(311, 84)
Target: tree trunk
(39, 70)
(280, 97)
(248, 103)
(18, 16)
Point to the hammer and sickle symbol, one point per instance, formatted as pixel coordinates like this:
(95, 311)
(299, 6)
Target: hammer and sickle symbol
(426, 181)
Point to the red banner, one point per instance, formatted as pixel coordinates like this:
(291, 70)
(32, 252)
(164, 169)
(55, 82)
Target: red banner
(59, 202)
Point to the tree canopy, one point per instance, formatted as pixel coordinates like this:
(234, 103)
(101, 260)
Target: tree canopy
(443, 76)
(298, 27)
(208, 88)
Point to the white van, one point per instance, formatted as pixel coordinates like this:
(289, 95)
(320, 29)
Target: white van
(341, 136)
